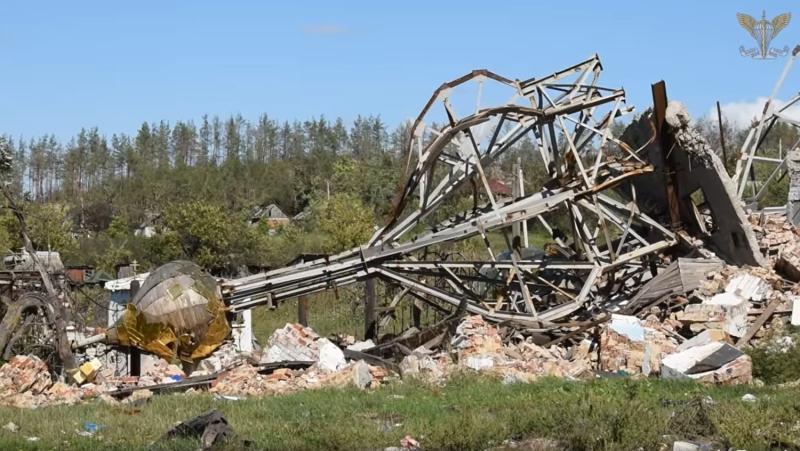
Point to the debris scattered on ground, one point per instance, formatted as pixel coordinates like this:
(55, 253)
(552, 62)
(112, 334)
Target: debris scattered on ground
(211, 428)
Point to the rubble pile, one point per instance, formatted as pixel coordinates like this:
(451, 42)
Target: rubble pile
(479, 347)
(25, 382)
(295, 343)
(772, 232)
(224, 358)
(631, 346)
(246, 380)
(695, 331)
(478, 344)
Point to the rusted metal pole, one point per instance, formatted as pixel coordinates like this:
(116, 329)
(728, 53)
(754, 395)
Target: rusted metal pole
(722, 139)
(666, 143)
(302, 311)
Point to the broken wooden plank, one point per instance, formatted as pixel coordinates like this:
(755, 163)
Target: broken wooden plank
(759, 323)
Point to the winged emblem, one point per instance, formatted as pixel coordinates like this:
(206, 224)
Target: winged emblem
(764, 31)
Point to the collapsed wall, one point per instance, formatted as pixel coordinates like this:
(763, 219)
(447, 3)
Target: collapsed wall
(709, 207)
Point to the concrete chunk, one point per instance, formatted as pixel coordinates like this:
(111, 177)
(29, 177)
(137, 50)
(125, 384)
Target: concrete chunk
(331, 358)
(362, 378)
(705, 337)
(722, 224)
(793, 200)
(629, 326)
(724, 311)
(685, 446)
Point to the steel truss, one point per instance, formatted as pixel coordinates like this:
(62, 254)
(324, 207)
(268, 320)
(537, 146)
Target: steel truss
(752, 148)
(613, 248)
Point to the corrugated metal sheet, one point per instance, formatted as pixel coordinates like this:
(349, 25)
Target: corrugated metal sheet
(749, 287)
(682, 276)
(76, 275)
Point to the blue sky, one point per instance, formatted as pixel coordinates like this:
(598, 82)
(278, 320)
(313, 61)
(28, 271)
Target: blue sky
(67, 65)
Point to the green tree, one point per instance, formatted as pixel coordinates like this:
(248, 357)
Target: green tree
(118, 228)
(205, 233)
(48, 227)
(345, 220)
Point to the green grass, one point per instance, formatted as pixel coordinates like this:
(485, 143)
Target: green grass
(469, 413)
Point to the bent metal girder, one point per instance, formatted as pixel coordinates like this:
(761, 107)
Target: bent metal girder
(752, 149)
(612, 242)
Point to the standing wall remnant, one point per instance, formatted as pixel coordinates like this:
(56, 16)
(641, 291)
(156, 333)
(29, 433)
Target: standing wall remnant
(709, 207)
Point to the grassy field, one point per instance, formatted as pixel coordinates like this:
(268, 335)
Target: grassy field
(469, 413)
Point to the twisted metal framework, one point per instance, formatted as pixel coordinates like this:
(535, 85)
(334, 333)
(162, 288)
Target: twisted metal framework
(752, 150)
(613, 244)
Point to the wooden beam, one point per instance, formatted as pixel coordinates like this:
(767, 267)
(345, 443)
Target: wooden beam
(771, 307)
(666, 143)
(302, 311)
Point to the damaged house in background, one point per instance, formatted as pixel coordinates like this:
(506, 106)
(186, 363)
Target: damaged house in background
(660, 271)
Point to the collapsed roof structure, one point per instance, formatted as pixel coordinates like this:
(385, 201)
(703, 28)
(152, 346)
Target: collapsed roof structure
(650, 214)
(611, 253)
(628, 209)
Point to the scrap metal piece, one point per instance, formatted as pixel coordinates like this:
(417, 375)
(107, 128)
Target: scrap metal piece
(211, 428)
(681, 277)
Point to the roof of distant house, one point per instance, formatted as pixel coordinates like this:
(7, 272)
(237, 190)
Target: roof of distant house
(498, 187)
(270, 211)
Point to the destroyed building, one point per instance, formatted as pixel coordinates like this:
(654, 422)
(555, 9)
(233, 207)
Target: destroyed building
(658, 275)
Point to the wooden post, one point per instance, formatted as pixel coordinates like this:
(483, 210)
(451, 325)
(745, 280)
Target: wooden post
(136, 353)
(666, 141)
(416, 313)
(302, 311)
(370, 309)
